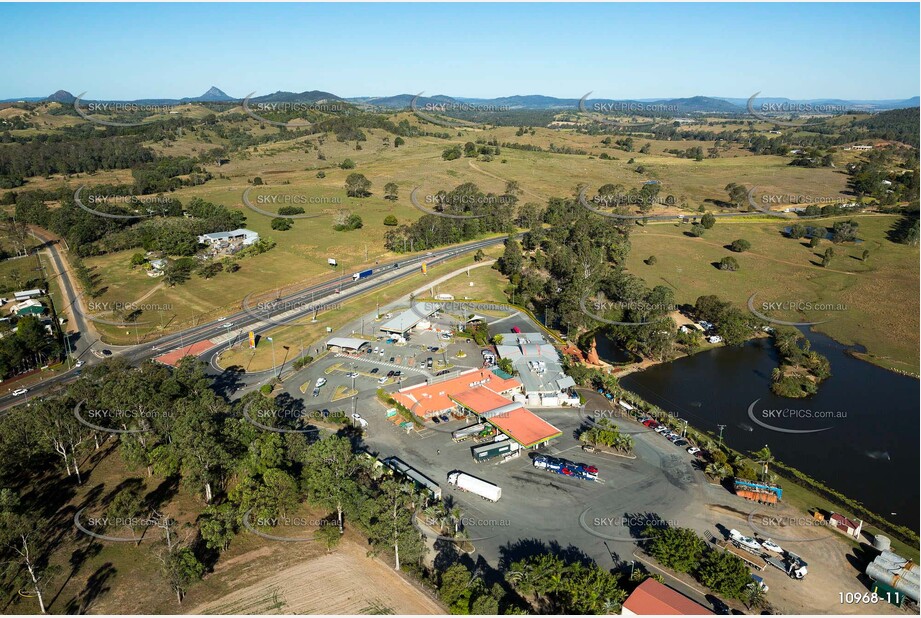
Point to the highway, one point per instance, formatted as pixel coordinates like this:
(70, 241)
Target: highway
(256, 318)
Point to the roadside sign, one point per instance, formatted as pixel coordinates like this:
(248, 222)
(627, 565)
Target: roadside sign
(424, 268)
(252, 339)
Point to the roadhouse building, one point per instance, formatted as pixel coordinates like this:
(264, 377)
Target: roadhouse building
(485, 395)
(539, 369)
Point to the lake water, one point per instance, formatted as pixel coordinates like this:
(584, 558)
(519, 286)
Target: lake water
(868, 444)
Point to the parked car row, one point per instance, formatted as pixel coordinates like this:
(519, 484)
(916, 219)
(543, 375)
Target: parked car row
(671, 436)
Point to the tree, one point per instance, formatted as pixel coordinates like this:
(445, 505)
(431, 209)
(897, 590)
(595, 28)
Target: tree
(827, 256)
(390, 221)
(813, 242)
(391, 191)
(356, 185)
(126, 507)
(479, 256)
(348, 164)
(218, 526)
(281, 224)
(651, 260)
(738, 194)
(740, 245)
(197, 441)
(451, 153)
(22, 537)
(865, 255)
(729, 263)
(328, 472)
(724, 573)
(257, 181)
(511, 261)
(399, 141)
(505, 364)
(676, 548)
(329, 536)
(392, 525)
(181, 569)
(797, 230)
(708, 221)
(765, 458)
(844, 231)
(321, 174)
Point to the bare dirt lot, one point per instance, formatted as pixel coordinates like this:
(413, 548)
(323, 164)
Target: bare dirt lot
(343, 582)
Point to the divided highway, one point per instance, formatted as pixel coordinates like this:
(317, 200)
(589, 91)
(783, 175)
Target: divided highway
(337, 290)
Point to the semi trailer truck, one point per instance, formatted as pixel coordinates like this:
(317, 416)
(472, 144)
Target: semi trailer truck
(482, 488)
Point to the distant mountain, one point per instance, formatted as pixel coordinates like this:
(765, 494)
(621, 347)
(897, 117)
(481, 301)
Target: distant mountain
(865, 105)
(308, 96)
(402, 101)
(678, 106)
(542, 102)
(214, 94)
(62, 96)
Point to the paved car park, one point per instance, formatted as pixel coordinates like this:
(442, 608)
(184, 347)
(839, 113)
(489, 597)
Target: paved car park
(659, 485)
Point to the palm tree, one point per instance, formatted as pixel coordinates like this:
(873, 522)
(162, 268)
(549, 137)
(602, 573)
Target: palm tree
(765, 458)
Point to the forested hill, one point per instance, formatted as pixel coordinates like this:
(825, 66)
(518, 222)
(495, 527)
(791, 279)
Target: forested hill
(900, 125)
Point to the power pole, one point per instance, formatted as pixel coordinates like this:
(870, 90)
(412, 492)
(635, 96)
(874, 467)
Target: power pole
(722, 427)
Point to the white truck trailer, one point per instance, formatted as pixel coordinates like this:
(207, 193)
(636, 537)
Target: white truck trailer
(474, 485)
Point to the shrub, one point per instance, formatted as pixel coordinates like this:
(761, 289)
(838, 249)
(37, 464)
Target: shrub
(729, 263)
(740, 245)
(348, 164)
(390, 220)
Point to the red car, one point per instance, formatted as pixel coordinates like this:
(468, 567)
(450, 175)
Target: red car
(651, 423)
(515, 329)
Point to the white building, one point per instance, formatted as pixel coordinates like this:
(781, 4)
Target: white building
(243, 235)
(539, 369)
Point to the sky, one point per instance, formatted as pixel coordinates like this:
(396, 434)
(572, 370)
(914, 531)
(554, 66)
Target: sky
(619, 51)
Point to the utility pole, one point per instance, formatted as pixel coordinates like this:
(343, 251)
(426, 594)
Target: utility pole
(274, 371)
(722, 427)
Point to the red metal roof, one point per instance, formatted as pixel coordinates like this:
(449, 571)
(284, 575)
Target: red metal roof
(524, 427)
(654, 599)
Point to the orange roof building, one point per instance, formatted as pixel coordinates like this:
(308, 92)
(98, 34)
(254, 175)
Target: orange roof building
(654, 599)
(427, 400)
(524, 427)
(485, 394)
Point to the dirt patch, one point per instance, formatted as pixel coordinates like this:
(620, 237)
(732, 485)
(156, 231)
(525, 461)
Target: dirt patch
(352, 583)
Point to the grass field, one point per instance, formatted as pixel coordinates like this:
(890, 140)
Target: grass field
(879, 297)
(304, 335)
